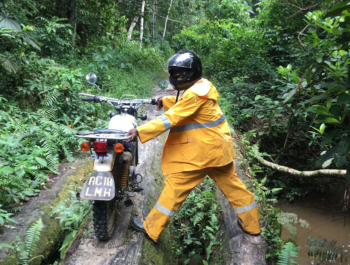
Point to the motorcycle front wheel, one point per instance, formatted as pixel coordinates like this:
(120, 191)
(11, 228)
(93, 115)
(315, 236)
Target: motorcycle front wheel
(104, 213)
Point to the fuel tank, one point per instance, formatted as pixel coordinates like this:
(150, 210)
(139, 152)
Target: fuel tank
(123, 122)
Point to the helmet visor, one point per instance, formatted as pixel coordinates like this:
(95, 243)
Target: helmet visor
(183, 60)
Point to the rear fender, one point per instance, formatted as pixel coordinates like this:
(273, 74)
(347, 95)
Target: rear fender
(99, 186)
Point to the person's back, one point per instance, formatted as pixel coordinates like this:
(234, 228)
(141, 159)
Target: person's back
(202, 139)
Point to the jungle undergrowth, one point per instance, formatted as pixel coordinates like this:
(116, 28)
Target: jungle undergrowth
(195, 225)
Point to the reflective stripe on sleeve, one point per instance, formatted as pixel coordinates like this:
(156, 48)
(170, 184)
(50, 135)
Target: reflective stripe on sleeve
(165, 121)
(245, 208)
(164, 210)
(193, 126)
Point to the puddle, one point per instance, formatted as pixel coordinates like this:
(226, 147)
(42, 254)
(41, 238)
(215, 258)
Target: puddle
(323, 226)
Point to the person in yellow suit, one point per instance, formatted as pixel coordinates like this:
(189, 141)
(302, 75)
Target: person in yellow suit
(199, 144)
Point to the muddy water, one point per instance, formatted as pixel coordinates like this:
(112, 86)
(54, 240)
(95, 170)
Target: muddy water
(322, 225)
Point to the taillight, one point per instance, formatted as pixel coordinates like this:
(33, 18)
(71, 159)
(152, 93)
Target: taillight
(100, 148)
(118, 148)
(85, 146)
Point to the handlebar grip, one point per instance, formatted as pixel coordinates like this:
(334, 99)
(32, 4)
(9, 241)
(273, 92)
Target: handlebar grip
(154, 101)
(88, 99)
(96, 99)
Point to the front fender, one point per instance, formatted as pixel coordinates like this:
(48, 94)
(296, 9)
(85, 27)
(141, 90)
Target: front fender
(99, 186)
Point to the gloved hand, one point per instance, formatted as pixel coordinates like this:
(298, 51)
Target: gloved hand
(133, 133)
(159, 103)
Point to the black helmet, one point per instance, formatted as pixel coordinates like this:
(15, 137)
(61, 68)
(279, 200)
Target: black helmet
(186, 60)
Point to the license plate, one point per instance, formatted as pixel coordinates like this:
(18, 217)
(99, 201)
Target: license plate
(96, 157)
(99, 186)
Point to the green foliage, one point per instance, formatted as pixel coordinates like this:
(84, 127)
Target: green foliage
(326, 250)
(71, 213)
(195, 225)
(5, 218)
(287, 254)
(289, 220)
(25, 248)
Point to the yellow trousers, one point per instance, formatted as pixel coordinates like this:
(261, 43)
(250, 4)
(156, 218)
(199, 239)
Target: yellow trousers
(177, 186)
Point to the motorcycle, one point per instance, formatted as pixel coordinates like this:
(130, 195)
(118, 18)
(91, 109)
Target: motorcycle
(114, 173)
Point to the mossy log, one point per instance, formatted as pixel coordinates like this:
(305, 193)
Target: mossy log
(41, 207)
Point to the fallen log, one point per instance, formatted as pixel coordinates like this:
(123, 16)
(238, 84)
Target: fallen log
(307, 174)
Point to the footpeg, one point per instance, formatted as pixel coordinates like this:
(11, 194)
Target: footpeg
(128, 203)
(137, 189)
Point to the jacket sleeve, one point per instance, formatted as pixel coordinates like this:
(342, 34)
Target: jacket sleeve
(168, 102)
(184, 108)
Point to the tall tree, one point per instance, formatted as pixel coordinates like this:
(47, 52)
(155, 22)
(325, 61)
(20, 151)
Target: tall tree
(141, 23)
(166, 20)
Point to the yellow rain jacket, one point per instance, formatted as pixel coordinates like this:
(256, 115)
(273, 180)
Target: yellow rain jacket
(199, 144)
(199, 134)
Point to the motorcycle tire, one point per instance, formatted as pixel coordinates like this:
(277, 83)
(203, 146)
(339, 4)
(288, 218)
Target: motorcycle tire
(104, 214)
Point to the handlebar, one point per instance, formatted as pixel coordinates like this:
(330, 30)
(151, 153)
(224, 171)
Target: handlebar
(122, 100)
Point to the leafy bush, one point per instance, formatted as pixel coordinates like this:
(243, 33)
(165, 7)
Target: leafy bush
(195, 224)
(71, 213)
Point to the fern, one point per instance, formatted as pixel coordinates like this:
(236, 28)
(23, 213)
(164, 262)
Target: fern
(25, 249)
(289, 220)
(33, 236)
(287, 254)
(53, 98)
(324, 250)
(67, 241)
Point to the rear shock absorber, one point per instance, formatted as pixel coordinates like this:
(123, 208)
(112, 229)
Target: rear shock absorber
(124, 161)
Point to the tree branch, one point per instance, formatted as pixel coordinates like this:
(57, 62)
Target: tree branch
(302, 44)
(305, 174)
(178, 21)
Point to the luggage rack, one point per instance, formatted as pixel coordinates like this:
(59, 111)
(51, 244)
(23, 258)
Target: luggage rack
(103, 134)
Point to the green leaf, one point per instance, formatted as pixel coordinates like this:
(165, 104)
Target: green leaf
(327, 163)
(7, 22)
(319, 59)
(7, 170)
(328, 120)
(343, 99)
(32, 43)
(322, 128)
(289, 95)
(8, 61)
(329, 104)
(342, 52)
(41, 161)
(339, 160)
(295, 77)
(344, 146)
(329, 154)
(320, 110)
(328, 137)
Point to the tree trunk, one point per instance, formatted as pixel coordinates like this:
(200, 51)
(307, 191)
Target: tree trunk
(154, 18)
(304, 174)
(132, 26)
(141, 26)
(166, 20)
(75, 23)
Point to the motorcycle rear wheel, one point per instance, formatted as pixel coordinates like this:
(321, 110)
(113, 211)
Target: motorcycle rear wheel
(104, 213)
